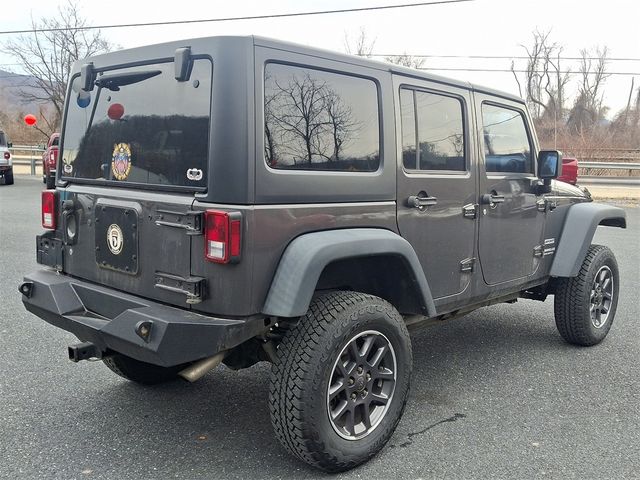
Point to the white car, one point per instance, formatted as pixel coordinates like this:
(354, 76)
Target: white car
(6, 162)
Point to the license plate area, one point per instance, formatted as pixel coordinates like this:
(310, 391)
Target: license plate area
(116, 239)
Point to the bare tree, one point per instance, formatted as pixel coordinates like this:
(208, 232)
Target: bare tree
(407, 60)
(48, 56)
(362, 45)
(305, 119)
(545, 81)
(301, 116)
(588, 108)
(340, 122)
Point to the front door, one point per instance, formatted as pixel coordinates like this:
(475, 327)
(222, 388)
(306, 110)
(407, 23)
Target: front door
(437, 183)
(511, 226)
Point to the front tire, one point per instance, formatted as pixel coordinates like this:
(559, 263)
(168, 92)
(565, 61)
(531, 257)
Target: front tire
(141, 372)
(585, 305)
(340, 381)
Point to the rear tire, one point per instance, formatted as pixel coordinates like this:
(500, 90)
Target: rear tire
(8, 177)
(141, 372)
(585, 305)
(50, 181)
(340, 380)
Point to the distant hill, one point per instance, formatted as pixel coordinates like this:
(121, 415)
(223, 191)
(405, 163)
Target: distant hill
(10, 86)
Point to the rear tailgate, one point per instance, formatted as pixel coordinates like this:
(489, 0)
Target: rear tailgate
(139, 245)
(134, 152)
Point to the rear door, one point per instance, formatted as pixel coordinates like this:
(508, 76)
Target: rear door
(511, 220)
(436, 183)
(134, 153)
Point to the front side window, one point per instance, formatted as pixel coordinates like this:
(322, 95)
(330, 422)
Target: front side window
(434, 138)
(139, 125)
(317, 120)
(506, 143)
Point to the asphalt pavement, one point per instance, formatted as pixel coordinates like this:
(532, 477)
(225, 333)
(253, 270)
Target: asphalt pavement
(496, 394)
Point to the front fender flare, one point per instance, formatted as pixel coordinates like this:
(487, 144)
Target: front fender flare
(306, 257)
(579, 227)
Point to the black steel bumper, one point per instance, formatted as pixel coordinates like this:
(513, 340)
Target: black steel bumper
(117, 322)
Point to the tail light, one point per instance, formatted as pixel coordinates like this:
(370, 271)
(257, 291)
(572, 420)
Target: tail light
(7, 155)
(222, 237)
(52, 156)
(49, 209)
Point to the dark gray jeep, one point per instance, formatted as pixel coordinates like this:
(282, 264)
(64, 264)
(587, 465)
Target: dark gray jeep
(241, 199)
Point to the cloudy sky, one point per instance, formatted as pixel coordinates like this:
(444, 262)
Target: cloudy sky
(481, 27)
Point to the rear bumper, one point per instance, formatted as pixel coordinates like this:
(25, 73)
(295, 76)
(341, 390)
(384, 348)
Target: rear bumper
(109, 319)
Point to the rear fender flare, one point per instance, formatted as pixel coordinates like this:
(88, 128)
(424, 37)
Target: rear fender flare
(306, 257)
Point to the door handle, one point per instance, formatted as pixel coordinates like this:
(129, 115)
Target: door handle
(420, 202)
(491, 199)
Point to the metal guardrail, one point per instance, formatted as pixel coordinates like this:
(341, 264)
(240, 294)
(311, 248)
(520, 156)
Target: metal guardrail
(32, 156)
(586, 166)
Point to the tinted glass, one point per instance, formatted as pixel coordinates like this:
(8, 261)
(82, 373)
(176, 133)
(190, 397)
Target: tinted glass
(316, 120)
(440, 133)
(146, 129)
(3, 140)
(506, 143)
(56, 142)
(408, 117)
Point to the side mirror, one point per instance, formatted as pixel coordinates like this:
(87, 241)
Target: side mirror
(549, 164)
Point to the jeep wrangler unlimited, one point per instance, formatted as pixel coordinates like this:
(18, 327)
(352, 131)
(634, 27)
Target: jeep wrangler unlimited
(239, 199)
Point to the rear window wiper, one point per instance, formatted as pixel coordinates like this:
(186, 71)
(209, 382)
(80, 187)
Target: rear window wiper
(114, 81)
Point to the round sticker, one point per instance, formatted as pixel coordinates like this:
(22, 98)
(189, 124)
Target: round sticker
(115, 239)
(121, 161)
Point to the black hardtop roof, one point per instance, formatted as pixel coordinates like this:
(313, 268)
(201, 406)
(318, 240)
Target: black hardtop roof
(161, 49)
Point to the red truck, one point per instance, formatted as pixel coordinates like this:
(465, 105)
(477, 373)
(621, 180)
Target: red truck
(49, 161)
(569, 170)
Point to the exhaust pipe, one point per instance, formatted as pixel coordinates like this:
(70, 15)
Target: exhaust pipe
(197, 370)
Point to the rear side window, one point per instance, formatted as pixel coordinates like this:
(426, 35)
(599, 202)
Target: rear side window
(317, 120)
(506, 142)
(3, 140)
(139, 125)
(432, 131)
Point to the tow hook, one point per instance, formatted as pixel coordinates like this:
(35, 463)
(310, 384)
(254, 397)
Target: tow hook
(84, 351)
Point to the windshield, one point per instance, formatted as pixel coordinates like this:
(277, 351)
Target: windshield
(140, 125)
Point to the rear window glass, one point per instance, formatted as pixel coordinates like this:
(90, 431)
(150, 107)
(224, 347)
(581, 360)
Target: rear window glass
(3, 140)
(140, 125)
(317, 120)
(55, 142)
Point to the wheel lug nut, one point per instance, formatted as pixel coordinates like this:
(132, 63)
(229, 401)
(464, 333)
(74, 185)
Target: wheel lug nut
(368, 376)
(353, 396)
(359, 369)
(351, 381)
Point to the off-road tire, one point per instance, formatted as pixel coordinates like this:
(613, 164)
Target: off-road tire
(141, 372)
(8, 177)
(572, 301)
(50, 181)
(305, 362)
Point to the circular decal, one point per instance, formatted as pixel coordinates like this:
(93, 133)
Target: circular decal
(115, 239)
(121, 161)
